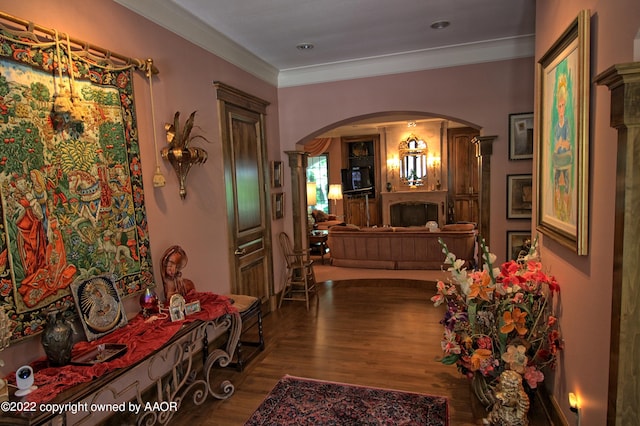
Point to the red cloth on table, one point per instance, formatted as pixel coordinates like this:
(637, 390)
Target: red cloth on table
(141, 337)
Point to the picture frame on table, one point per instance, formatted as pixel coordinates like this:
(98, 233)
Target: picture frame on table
(521, 136)
(518, 244)
(277, 205)
(276, 174)
(562, 129)
(519, 196)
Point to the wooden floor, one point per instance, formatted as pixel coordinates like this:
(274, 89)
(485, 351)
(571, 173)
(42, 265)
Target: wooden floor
(381, 333)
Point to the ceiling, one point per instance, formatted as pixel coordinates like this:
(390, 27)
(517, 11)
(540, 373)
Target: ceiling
(351, 38)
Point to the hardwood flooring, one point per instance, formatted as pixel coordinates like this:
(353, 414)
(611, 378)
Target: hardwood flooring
(372, 332)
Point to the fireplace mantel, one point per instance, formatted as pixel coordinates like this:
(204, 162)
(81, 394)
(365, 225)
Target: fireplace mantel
(391, 198)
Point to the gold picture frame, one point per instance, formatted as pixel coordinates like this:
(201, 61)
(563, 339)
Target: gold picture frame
(521, 136)
(277, 205)
(99, 306)
(519, 196)
(276, 174)
(562, 129)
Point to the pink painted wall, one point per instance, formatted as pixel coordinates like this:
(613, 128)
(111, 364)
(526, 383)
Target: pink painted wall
(483, 95)
(185, 84)
(586, 282)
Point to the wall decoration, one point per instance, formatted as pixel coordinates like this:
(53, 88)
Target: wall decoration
(519, 196)
(277, 205)
(276, 174)
(70, 176)
(518, 244)
(563, 137)
(99, 305)
(521, 136)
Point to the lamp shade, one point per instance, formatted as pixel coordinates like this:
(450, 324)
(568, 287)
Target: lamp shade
(335, 191)
(311, 194)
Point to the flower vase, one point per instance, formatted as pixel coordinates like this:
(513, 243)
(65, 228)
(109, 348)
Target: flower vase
(57, 340)
(482, 390)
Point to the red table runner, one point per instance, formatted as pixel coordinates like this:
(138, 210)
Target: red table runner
(142, 338)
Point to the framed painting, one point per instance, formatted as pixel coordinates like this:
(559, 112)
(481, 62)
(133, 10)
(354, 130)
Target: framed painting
(518, 244)
(521, 136)
(276, 174)
(99, 306)
(519, 196)
(71, 193)
(277, 204)
(563, 137)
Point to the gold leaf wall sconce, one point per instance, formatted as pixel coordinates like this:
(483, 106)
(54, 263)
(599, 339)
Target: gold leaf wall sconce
(179, 153)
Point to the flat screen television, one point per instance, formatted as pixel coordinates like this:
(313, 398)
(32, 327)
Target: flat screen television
(356, 179)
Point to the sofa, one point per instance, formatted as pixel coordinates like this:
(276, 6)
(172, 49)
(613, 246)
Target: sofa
(400, 247)
(324, 221)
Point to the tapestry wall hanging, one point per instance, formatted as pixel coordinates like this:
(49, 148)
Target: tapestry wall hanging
(70, 178)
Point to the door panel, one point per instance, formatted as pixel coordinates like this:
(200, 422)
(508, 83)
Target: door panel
(246, 192)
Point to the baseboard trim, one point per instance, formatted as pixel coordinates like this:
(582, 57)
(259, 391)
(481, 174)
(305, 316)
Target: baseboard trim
(552, 410)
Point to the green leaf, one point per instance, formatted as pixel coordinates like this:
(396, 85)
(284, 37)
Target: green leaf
(450, 359)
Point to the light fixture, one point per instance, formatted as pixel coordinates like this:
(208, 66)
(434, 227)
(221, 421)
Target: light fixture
(311, 194)
(305, 46)
(573, 402)
(179, 153)
(335, 192)
(158, 177)
(439, 25)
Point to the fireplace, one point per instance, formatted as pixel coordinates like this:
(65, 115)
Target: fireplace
(415, 207)
(413, 213)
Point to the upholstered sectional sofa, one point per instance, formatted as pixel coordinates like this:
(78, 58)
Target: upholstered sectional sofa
(400, 247)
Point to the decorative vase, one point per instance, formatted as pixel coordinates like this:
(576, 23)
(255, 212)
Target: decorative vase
(482, 390)
(389, 187)
(149, 302)
(57, 339)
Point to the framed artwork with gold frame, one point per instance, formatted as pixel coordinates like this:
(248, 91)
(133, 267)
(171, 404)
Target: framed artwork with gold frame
(276, 174)
(562, 129)
(277, 205)
(99, 306)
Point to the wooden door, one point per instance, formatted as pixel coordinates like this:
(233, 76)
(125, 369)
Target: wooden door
(463, 175)
(250, 247)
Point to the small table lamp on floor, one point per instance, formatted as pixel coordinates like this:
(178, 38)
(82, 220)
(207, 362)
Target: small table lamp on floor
(335, 194)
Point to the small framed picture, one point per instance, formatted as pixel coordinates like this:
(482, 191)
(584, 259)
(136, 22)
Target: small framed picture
(277, 204)
(192, 307)
(276, 174)
(177, 307)
(519, 196)
(518, 244)
(521, 136)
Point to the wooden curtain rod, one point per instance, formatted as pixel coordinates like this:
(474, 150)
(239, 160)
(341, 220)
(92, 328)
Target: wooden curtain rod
(107, 54)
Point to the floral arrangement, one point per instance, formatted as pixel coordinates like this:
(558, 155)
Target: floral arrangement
(499, 318)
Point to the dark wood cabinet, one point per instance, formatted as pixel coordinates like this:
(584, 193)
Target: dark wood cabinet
(362, 152)
(356, 211)
(463, 176)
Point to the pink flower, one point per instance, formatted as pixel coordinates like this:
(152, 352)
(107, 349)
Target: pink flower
(533, 376)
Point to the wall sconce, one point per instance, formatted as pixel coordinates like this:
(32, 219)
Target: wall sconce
(179, 153)
(335, 193)
(433, 164)
(573, 402)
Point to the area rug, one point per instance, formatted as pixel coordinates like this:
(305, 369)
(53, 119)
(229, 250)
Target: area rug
(300, 401)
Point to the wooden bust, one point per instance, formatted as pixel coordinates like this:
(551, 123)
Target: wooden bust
(173, 261)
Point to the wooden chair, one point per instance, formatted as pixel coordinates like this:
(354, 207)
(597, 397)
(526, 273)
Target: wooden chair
(301, 280)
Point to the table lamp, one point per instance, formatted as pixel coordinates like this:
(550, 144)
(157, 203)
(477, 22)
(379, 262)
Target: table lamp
(335, 193)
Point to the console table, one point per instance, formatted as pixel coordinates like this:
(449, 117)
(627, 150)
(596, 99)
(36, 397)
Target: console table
(173, 370)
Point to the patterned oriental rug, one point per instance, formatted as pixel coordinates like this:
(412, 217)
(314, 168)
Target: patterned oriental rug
(300, 401)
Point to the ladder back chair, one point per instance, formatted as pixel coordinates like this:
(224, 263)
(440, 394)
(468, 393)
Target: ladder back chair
(300, 280)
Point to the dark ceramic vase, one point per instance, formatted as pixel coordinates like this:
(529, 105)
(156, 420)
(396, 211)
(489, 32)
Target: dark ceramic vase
(57, 340)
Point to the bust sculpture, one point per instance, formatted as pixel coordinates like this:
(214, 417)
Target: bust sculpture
(173, 261)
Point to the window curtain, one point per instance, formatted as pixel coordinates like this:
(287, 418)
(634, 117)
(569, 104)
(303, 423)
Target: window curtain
(317, 146)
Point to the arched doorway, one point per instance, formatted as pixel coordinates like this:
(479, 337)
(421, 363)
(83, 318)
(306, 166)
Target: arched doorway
(388, 126)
